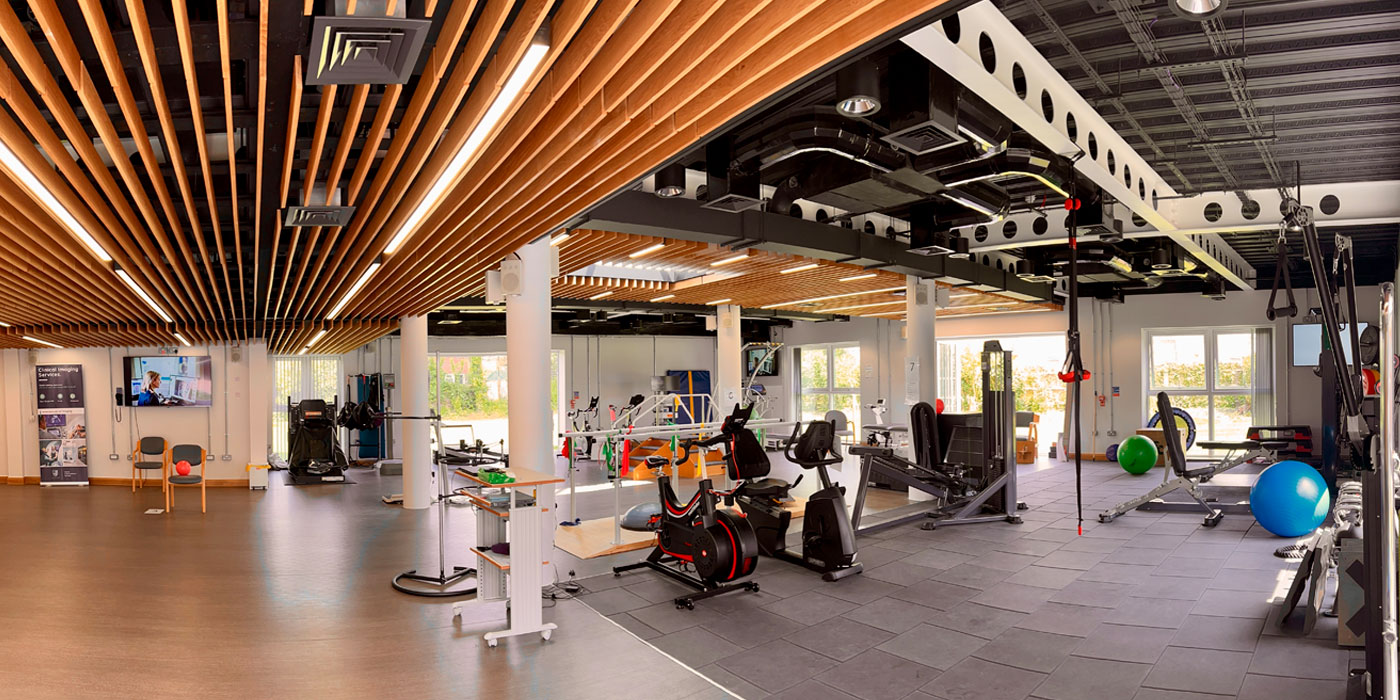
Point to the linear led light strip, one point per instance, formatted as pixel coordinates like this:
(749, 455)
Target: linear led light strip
(26, 177)
(534, 56)
(834, 296)
(32, 339)
(865, 306)
(314, 339)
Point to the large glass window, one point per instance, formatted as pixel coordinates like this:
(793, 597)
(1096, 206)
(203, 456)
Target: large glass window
(300, 377)
(1223, 377)
(1035, 364)
(830, 380)
(471, 391)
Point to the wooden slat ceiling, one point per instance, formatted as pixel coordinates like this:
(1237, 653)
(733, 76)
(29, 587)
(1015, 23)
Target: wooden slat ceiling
(202, 112)
(757, 281)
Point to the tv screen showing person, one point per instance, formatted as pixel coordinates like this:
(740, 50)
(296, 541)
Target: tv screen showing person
(169, 381)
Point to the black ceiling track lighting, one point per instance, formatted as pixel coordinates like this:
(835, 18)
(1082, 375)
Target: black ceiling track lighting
(1197, 10)
(858, 89)
(670, 181)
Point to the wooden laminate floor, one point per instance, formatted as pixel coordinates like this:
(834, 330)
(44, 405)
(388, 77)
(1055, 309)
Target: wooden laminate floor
(276, 594)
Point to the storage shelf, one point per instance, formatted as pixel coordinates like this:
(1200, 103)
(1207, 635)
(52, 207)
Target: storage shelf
(484, 504)
(500, 561)
(523, 477)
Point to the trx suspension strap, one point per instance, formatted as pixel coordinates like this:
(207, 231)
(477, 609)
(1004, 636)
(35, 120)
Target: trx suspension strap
(1281, 275)
(1072, 371)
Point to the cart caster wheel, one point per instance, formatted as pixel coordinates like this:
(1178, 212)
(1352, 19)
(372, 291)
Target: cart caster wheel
(1015, 520)
(754, 587)
(1104, 518)
(1213, 520)
(930, 527)
(1022, 506)
(491, 643)
(545, 635)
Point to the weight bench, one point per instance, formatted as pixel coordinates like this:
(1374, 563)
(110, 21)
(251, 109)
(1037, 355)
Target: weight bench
(1190, 479)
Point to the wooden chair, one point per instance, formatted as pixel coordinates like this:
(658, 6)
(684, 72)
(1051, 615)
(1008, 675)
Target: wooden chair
(141, 462)
(195, 455)
(1029, 445)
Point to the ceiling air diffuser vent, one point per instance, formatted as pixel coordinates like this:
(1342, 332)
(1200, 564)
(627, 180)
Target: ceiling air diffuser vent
(364, 49)
(305, 217)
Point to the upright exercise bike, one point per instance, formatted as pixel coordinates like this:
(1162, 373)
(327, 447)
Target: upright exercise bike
(718, 544)
(828, 542)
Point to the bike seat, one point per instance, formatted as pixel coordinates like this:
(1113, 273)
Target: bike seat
(765, 488)
(656, 461)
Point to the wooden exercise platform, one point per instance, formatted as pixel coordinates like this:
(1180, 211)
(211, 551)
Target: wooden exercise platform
(656, 447)
(591, 539)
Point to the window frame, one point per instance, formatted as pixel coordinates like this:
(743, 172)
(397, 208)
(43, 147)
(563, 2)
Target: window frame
(831, 391)
(277, 417)
(1211, 391)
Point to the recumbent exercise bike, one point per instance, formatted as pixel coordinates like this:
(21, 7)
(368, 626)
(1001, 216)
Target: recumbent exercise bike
(828, 542)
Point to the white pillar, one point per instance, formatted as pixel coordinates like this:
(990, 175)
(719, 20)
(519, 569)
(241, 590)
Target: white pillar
(531, 432)
(413, 387)
(921, 346)
(729, 364)
(259, 401)
(12, 430)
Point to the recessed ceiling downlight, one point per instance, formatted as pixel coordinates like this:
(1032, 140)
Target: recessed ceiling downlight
(1197, 10)
(858, 90)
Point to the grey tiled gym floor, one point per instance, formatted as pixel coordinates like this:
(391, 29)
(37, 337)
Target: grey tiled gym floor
(1149, 607)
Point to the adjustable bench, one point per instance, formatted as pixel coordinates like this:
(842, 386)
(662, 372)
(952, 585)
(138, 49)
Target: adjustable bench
(1190, 479)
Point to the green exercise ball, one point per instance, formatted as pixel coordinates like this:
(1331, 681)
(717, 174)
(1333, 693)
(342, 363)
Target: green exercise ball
(1137, 454)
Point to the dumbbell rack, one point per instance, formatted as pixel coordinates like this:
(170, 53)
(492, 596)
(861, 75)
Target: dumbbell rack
(517, 576)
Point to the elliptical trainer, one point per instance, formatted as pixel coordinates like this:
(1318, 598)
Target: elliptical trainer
(828, 542)
(718, 544)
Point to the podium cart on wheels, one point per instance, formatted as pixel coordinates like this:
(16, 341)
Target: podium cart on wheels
(516, 513)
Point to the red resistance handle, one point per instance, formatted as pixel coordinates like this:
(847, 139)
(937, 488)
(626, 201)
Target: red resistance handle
(1068, 377)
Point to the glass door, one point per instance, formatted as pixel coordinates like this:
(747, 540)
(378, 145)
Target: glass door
(829, 380)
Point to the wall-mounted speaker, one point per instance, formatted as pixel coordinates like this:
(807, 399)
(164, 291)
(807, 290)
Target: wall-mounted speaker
(512, 277)
(494, 295)
(236, 353)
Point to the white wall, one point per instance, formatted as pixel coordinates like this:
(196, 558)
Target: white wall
(222, 429)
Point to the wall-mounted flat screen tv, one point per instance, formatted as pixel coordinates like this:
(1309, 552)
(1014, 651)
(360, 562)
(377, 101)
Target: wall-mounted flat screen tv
(1307, 342)
(169, 380)
(756, 365)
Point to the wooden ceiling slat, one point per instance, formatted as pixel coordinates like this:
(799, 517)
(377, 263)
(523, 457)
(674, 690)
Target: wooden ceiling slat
(101, 34)
(240, 303)
(288, 158)
(631, 36)
(313, 164)
(182, 34)
(145, 44)
(258, 154)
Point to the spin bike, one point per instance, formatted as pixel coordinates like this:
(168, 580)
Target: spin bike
(828, 542)
(718, 544)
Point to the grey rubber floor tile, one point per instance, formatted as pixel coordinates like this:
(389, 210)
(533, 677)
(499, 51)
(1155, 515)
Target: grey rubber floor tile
(936, 594)
(1064, 619)
(972, 576)
(1038, 548)
(1093, 679)
(1171, 587)
(753, 628)
(1293, 657)
(1120, 573)
(1200, 671)
(876, 675)
(1257, 687)
(1014, 597)
(892, 614)
(1151, 612)
(1095, 544)
(1006, 561)
(1122, 643)
(1222, 633)
(696, 645)
(858, 589)
(731, 682)
(1092, 594)
(1029, 650)
(932, 646)
(1045, 577)
(811, 690)
(900, 573)
(777, 665)
(635, 626)
(937, 559)
(1141, 557)
(810, 607)
(978, 620)
(1191, 567)
(840, 638)
(615, 600)
(1065, 559)
(1234, 604)
(976, 679)
(666, 618)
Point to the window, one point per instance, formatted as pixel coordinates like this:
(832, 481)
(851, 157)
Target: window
(300, 377)
(472, 391)
(1223, 377)
(830, 380)
(1035, 365)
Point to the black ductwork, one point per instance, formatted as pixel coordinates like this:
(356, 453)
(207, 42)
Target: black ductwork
(1023, 158)
(730, 186)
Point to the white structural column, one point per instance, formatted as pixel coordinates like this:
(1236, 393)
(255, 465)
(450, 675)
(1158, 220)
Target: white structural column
(921, 346)
(530, 431)
(729, 365)
(259, 401)
(12, 413)
(413, 387)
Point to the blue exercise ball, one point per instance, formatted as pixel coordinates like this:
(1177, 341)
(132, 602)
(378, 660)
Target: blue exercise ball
(1290, 499)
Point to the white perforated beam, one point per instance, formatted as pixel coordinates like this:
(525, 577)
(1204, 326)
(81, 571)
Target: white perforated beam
(991, 57)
